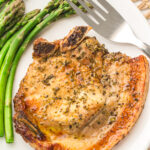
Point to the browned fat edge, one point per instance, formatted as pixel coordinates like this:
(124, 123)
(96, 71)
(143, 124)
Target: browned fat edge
(132, 110)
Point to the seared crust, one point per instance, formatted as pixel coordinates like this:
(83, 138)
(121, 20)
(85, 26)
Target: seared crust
(38, 138)
(43, 48)
(74, 38)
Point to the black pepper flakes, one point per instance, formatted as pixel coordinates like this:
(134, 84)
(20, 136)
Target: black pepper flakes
(78, 72)
(136, 99)
(66, 63)
(46, 81)
(78, 58)
(98, 122)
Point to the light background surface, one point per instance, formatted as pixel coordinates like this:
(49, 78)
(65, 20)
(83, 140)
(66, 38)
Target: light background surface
(139, 137)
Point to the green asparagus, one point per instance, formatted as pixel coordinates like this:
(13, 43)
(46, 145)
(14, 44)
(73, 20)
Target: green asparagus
(9, 136)
(12, 51)
(5, 49)
(24, 21)
(9, 6)
(12, 4)
(18, 16)
(2, 3)
(29, 16)
(8, 14)
(20, 24)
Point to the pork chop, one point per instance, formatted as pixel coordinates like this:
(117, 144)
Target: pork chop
(78, 96)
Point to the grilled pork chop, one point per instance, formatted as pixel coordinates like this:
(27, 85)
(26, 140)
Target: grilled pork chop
(78, 96)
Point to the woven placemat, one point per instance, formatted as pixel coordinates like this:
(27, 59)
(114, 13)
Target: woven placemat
(144, 6)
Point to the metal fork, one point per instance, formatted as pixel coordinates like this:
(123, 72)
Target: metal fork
(109, 23)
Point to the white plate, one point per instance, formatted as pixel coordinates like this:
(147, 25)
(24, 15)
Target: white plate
(139, 137)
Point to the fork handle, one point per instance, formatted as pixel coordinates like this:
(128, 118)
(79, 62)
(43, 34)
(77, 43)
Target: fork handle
(146, 49)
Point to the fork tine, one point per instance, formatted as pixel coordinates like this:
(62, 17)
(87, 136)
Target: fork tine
(96, 7)
(106, 5)
(90, 11)
(112, 13)
(85, 17)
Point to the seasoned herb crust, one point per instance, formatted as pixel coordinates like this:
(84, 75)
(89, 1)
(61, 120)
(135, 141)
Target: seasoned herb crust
(78, 96)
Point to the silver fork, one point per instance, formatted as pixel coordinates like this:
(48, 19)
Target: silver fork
(109, 23)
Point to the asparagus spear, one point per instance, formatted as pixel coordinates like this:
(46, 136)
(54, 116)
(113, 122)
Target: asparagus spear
(12, 4)
(63, 11)
(18, 16)
(20, 24)
(5, 49)
(2, 3)
(8, 14)
(29, 16)
(11, 53)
